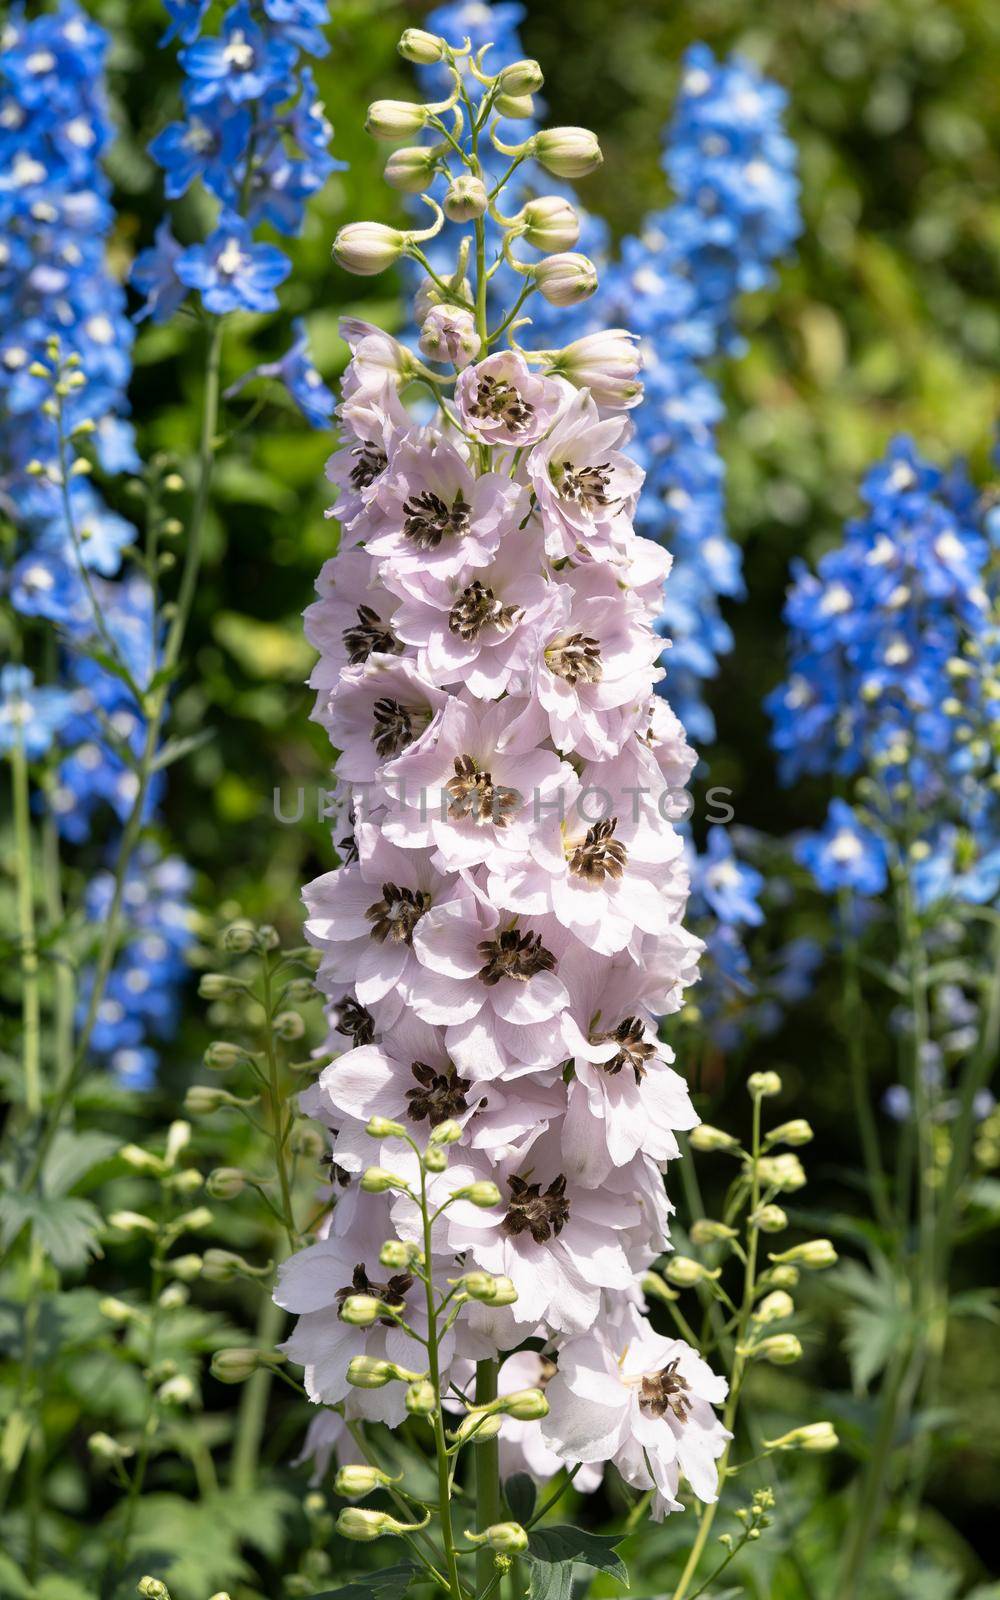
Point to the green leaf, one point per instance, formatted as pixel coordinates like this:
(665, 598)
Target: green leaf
(551, 1582)
(564, 1546)
(521, 1494)
(177, 749)
(875, 1318)
(66, 1227)
(73, 1156)
(389, 1583)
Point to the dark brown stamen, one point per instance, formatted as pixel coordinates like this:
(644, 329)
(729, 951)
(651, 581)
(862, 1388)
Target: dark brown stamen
(428, 519)
(514, 955)
(438, 1097)
(395, 916)
(476, 608)
(531, 1211)
(354, 1019)
(587, 486)
(474, 794)
(372, 462)
(393, 727)
(391, 1294)
(664, 1392)
(368, 636)
(500, 402)
(600, 855)
(635, 1048)
(576, 658)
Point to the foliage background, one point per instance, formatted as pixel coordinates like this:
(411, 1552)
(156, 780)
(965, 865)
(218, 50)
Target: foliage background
(887, 321)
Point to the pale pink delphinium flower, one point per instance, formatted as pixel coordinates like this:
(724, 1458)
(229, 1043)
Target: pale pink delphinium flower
(502, 402)
(585, 485)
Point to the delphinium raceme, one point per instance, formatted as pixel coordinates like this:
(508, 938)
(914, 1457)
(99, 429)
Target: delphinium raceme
(893, 694)
(505, 929)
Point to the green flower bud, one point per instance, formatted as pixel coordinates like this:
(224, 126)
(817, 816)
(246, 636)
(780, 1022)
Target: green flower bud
(783, 1277)
(775, 1307)
(177, 1391)
(796, 1132)
(173, 1297)
(784, 1173)
(288, 1025)
(186, 1268)
(706, 1138)
(816, 1254)
(435, 1158)
(780, 1349)
(394, 1253)
(367, 1372)
(548, 223)
(656, 1288)
(103, 1448)
(382, 1128)
(705, 1231)
(526, 1405)
(354, 1522)
(479, 1286)
(222, 1055)
(448, 1132)
(465, 199)
(505, 1293)
(153, 1589)
(818, 1436)
(193, 1221)
(763, 1085)
(520, 78)
(395, 119)
(483, 1194)
(567, 152)
(565, 279)
(686, 1272)
(354, 1482)
(239, 938)
(421, 1400)
(219, 986)
(769, 1219)
(376, 1180)
(517, 107)
(241, 1362)
(507, 1537)
(141, 1160)
(131, 1222)
(422, 48)
(225, 1183)
(361, 1310)
(478, 1428)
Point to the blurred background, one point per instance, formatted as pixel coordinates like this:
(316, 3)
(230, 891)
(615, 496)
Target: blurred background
(887, 320)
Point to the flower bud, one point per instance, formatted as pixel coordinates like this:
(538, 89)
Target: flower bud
(173, 1297)
(421, 1400)
(131, 1222)
(446, 1132)
(394, 1253)
(422, 48)
(186, 1268)
(706, 1138)
(518, 107)
(775, 1307)
(763, 1085)
(307, 1140)
(222, 1055)
(478, 1428)
(769, 1219)
(548, 223)
(521, 77)
(177, 1391)
(202, 1098)
(483, 1194)
(567, 152)
(783, 1277)
(241, 1362)
(566, 279)
(376, 1180)
(819, 1436)
(686, 1272)
(705, 1231)
(508, 1537)
(240, 937)
(361, 1310)
(448, 333)
(395, 119)
(505, 1293)
(225, 1183)
(526, 1405)
(796, 1132)
(435, 1158)
(607, 364)
(382, 1128)
(193, 1221)
(655, 1288)
(187, 1181)
(465, 199)
(479, 1286)
(219, 986)
(354, 1482)
(119, 1311)
(815, 1254)
(411, 168)
(367, 1372)
(784, 1173)
(354, 1522)
(222, 1266)
(780, 1349)
(152, 1589)
(289, 1026)
(140, 1160)
(366, 248)
(104, 1448)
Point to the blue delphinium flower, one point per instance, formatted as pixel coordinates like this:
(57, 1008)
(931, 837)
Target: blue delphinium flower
(730, 887)
(231, 271)
(298, 373)
(845, 854)
(30, 717)
(241, 63)
(154, 274)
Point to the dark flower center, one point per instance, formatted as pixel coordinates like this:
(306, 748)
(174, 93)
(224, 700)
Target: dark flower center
(354, 1019)
(531, 1211)
(338, 1175)
(474, 794)
(392, 727)
(395, 916)
(477, 608)
(369, 635)
(600, 855)
(664, 1392)
(428, 519)
(347, 848)
(438, 1095)
(576, 658)
(514, 955)
(371, 463)
(635, 1048)
(392, 1293)
(587, 486)
(500, 402)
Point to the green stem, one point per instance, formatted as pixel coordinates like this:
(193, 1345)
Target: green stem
(437, 1421)
(488, 1504)
(252, 1413)
(858, 1067)
(277, 1110)
(30, 1007)
(150, 1427)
